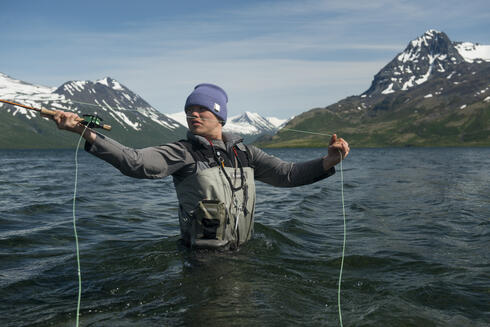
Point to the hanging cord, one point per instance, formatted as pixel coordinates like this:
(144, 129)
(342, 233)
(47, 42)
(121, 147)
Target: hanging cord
(345, 232)
(221, 164)
(75, 229)
(343, 216)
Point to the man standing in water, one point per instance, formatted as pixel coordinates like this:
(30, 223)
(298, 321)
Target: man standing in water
(213, 171)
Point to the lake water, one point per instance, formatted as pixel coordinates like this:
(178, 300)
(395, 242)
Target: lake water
(417, 249)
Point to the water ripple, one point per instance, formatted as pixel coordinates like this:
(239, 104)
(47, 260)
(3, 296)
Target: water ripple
(417, 239)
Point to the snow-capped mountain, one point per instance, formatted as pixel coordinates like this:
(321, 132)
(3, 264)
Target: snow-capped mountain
(113, 98)
(252, 124)
(104, 96)
(29, 94)
(127, 112)
(134, 121)
(426, 57)
(279, 123)
(434, 93)
(247, 123)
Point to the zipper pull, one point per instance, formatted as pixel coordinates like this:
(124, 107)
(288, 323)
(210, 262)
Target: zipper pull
(218, 154)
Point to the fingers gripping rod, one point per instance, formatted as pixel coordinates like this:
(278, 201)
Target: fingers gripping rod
(92, 121)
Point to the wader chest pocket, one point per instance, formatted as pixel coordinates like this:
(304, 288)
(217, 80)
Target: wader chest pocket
(210, 220)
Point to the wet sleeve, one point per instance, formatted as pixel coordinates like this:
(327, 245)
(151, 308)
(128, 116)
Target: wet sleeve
(151, 162)
(276, 172)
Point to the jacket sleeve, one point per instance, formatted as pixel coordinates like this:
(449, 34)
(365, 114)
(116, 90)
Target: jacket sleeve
(276, 172)
(151, 162)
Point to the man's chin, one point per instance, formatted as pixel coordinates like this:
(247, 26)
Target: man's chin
(197, 131)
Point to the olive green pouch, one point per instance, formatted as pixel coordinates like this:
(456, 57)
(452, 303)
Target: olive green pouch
(209, 221)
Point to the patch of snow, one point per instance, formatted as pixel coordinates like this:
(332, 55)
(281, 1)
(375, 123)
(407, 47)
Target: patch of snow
(487, 99)
(127, 96)
(471, 52)
(157, 118)
(78, 86)
(179, 117)
(276, 121)
(116, 86)
(424, 77)
(428, 96)
(389, 89)
(108, 105)
(440, 69)
(104, 81)
(462, 107)
(116, 118)
(408, 83)
(68, 89)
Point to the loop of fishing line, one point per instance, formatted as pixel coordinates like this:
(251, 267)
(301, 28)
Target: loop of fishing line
(294, 130)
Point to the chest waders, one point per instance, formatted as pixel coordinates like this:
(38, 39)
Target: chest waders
(217, 202)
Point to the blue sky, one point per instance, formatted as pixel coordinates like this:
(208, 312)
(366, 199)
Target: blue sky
(277, 58)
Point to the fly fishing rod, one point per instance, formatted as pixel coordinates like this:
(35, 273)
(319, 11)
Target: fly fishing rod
(91, 121)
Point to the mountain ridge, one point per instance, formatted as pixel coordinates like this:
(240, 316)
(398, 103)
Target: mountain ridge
(428, 95)
(125, 111)
(135, 122)
(249, 125)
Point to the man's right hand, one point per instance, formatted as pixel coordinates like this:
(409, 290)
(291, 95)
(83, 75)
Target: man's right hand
(70, 121)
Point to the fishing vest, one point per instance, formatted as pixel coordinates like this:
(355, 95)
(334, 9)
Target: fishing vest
(217, 201)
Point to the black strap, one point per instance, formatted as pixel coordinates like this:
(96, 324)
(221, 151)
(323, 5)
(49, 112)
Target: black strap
(204, 153)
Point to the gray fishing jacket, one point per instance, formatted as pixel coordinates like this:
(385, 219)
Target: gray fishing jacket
(196, 183)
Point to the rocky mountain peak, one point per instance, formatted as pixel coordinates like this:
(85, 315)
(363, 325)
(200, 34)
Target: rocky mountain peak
(112, 83)
(423, 57)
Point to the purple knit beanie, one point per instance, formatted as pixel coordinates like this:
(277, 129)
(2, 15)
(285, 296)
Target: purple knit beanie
(211, 97)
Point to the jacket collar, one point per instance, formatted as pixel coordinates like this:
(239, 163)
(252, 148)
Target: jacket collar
(229, 140)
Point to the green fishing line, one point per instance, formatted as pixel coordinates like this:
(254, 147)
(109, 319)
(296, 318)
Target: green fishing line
(306, 132)
(75, 230)
(343, 216)
(76, 235)
(345, 232)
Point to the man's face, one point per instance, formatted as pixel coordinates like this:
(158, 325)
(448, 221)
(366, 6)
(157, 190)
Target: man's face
(203, 122)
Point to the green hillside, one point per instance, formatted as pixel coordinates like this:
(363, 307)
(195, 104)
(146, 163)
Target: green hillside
(440, 112)
(405, 127)
(18, 132)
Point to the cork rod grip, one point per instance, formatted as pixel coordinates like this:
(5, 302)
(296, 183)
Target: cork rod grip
(52, 113)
